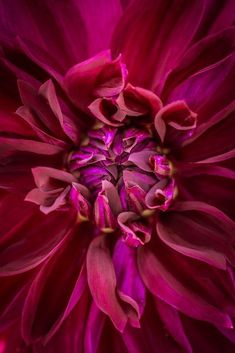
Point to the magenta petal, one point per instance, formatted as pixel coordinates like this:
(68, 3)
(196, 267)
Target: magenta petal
(96, 77)
(79, 196)
(136, 101)
(69, 126)
(105, 111)
(171, 319)
(104, 218)
(142, 159)
(94, 327)
(129, 284)
(164, 285)
(63, 273)
(175, 116)
(21, 248)
(152, 40)
(102, 281)
(204, 53)
(8, 145)
(219, 217)
(12, 295)
(43, 177)
(135, 231)
(45, 113)
(187, 236)
(160, 196)
(197, 90)
(69, 336)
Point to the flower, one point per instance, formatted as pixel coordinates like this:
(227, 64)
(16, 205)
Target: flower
(117, 176)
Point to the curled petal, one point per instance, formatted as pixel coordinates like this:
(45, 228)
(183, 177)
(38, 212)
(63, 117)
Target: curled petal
(52, 189)
(105, 110)
(133, 137)
(132, 177)
(141, 159)
(160, 195)
(135, 231)
(136, 101)
(176, 115)
(136, 197)
(160, 164)
(97, 77)
(81, 159)
(110, 191)
(44, 177)
(49, 201)
(79, 196)
(104, 217)
(68, 124)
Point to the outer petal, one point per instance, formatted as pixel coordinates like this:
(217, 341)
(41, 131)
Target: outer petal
(198, 90)
(204, 53)
(192, 237)
(12, 296)
(129, 284)
(172, 321)
(78, 29)
(64, 275)
(69, 337)
(152, 337)
(164, 30)
(165, 283)
(102, 281)
(28, 237)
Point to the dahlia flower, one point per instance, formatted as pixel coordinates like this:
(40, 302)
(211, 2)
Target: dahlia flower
(117, 176)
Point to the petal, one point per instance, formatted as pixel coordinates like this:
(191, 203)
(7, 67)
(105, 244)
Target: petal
(94, 327)
(164, 284)
(217, 134)
(175, 122)
(194, 238)
(29, 236)
(96, 77)
(102, 281)
(164, 31)
(64, 274)
(69, 337)
(204, 53)
(136, 101)
(161, 195)
(9, 145)
(152, 336)
(129, 284)
(172, 320)
(12, 294)
(198, 89)
(135, 230)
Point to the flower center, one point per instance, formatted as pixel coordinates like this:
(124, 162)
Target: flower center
(124, 177)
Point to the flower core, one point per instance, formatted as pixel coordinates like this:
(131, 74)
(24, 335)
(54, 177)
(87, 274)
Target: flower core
(121, 172)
